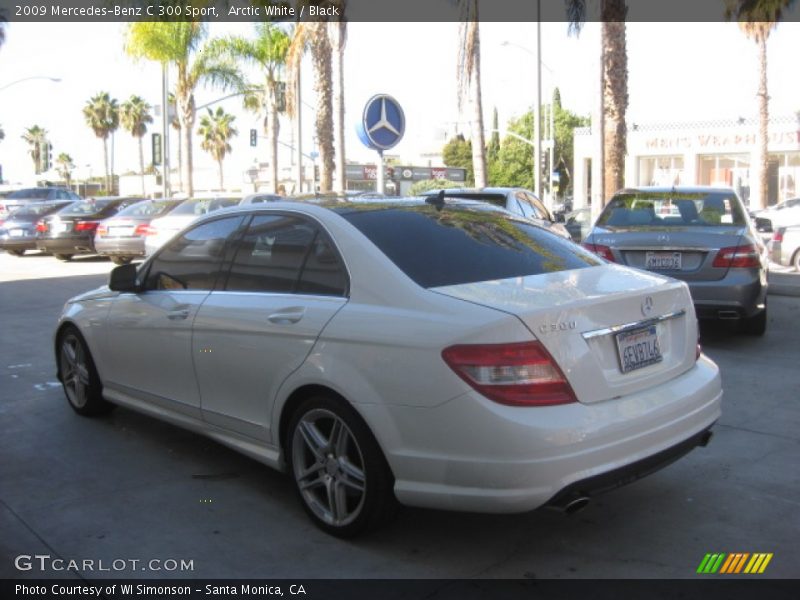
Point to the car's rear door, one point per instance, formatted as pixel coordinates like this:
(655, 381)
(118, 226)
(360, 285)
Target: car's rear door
(285, 283)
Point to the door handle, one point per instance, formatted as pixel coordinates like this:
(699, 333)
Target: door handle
(178, 315)
(285, 317)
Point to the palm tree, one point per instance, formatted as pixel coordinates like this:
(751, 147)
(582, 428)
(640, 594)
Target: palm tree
(65, 166)
(757, 19)
(216, 129)
(267, 52)
(175, 123)
(615, 87)
(135, 115)
(102, 116)
(36, 137)
(469, 83)
(339, 41)
(314, 35)
(181, 44)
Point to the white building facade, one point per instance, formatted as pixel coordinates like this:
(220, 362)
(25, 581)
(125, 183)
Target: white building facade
(700, 153)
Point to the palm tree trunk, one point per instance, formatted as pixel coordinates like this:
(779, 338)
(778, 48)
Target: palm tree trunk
(272, 137)
(762, 157)
(478, 140)
(221, 182)
(105, 164)
(338, 105)
(323, 80)
(141, 162)
(185, 101)
(180, 160)
(615, 97)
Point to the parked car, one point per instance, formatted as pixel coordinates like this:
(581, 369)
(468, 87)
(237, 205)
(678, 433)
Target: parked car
(516, 200)
(122, 237)
(39, 194)
(784, 247)
(18, 230)
(440, 354)
(783, 214)
(578, 223)
(712, 245)
(163, 228)
(70, 231)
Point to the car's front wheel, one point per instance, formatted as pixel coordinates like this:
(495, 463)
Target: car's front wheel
(120, 260)
(64, 257)
(16, 252)
(79, 376)
(338, 469)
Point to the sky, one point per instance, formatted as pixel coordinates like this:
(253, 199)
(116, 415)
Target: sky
(677, 72)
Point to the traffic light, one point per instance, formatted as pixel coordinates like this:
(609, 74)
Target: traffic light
(156, 148)
(45, 156)
(253, 137)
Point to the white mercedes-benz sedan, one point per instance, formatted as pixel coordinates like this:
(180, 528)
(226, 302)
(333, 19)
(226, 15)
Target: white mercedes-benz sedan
(434, 353)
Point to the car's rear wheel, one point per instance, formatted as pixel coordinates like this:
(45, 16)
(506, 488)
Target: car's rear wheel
(120, 260)
(64, 257)
(79, 376)
(756, 325)
(16, 252)
(338, 469)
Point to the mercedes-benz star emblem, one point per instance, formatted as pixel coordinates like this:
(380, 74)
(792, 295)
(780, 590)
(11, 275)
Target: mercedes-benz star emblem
(647, 306)
(383, 123)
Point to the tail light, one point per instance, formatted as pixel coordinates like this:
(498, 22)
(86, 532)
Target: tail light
(145, 230)
(737, 257)
(600, 250)
(522, 374)
(86, 225)
(41, 226)
(778, 235)
(102, 230)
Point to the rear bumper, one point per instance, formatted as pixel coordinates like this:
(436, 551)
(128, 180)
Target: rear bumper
(494, 458)
(119, 246)
(741, 293)
(72, 245)
(9, 243)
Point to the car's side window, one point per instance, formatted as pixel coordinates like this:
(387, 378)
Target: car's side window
(192, 260)
(540, 208)
(271, 254)
(323, 274)
(525, 205)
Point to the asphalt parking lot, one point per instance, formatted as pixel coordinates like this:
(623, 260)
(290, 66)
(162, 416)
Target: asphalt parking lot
(129, 487)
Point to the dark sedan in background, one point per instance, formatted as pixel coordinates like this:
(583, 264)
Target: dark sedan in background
(701, 235)
(122, 236)
(71, 230)
(18, 230)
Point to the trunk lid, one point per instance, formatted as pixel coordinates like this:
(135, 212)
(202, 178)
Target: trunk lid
(686, 253)
(579, 316)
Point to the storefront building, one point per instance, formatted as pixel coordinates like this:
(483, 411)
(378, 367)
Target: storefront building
(703, 153)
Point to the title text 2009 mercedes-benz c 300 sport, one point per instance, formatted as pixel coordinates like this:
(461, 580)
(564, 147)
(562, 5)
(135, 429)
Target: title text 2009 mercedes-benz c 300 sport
(440, 354)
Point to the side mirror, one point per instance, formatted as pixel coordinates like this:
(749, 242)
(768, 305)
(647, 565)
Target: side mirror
(123, 279)
(763, 225)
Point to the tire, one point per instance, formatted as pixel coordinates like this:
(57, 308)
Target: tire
(338, 469)
(16, 252)
(64, 257)
(120, 260)
(756, 325)
(796, 260)
(78, 375)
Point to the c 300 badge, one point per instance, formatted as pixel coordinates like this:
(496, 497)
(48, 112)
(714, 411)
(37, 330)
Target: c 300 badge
(557, 326)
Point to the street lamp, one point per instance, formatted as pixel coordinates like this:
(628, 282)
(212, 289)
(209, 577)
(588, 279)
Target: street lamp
(8, 85)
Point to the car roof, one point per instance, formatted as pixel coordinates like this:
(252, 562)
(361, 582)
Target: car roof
(679, 189)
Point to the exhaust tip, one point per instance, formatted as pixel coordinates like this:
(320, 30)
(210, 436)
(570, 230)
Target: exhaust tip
(728, 314)
(575, 505)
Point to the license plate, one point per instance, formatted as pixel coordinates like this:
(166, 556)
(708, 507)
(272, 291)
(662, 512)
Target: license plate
(119, 231)
(60, 227)
(638, 348)
(663, 261)
(16, 232)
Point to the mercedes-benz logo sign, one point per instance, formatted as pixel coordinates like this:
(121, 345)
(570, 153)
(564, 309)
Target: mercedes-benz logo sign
(647, 306)
(382, 124)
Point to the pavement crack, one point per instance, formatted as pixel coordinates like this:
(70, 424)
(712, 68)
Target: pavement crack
(768, 434)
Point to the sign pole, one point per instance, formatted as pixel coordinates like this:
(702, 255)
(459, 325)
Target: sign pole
(380, 187)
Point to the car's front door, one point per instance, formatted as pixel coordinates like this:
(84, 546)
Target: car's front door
(285, 283)
(149, 343)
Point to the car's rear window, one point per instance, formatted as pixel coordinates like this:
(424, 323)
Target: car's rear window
(464, 245)
(36, 210)
(152, 209)
(194, 206)
(646, 209)
(29, 194)
(85, 207)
